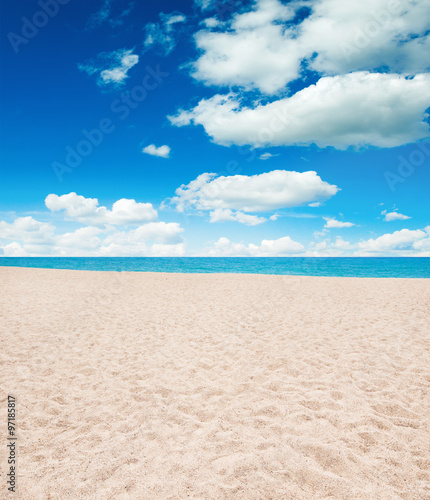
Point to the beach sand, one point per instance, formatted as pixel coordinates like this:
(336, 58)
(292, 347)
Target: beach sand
(173, 386)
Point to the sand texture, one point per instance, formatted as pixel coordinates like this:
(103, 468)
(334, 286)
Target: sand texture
(182, 386)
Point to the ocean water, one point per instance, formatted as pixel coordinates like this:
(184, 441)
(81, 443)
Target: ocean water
(362, 267)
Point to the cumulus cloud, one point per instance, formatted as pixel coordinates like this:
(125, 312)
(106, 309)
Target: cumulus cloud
(365, 56)
(404, 239)
(161, 34)
(369, 34)
(225, 214)
(263, 49)
(165, 238)
(159, 232)
(162, 151)
(256, 51)
(88, 211)
(422, 246)
(384, 110)
(111, 67)
(82, 238)
(413, 243)
(268, 248)
(26, 229)
(329, 248)
(342, 244)
(128, 229)
(255, 193)
(13, 250)
(151, 239)
(390, 216)
(333, 223)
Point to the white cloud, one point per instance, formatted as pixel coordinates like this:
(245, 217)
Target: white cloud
(166, 233)
(158, 232)
(320, 234)
(357, 50)
(328, 248)
(256, 193)
(315, 204)
(391, 242)
(87, 210)
(112, 67)
(160, 250)
(368, 34)
(162, 151)
(383, 110)
(255, 52)
(166, 239)
(400, 243)
(423, 246)
(26, 229)
(13, 250)
(162, 34)
(139, 233)
(390, 216)
(266, 156)
(225, 214)
(268, 248)
(203, 4)
(211, 22)
(152, 239)
(82, 238)
(170, 20)
(342, 244)
(262, 49)
(333, 223)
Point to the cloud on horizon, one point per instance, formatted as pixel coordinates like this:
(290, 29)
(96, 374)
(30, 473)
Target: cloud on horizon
(139, 232)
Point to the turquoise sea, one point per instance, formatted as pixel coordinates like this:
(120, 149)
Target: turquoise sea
(362, 267)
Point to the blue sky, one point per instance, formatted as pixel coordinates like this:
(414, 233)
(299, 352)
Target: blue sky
(217, 128)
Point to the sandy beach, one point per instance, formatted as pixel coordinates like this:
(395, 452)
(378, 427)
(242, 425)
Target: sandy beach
(173, 386)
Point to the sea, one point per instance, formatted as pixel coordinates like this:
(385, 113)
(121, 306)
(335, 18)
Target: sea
(360, 267)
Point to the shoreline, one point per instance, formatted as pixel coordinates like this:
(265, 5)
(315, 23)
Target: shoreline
(215, 273)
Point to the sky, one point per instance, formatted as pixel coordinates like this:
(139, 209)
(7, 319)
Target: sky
(215, 128)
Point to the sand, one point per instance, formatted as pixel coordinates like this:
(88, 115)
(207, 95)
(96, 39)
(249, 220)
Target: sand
(173, 386)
